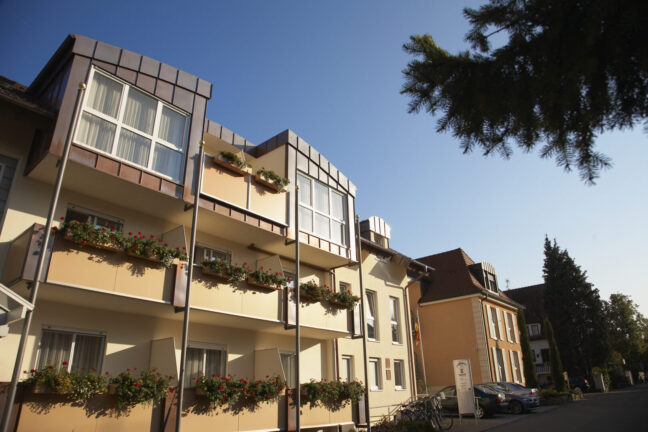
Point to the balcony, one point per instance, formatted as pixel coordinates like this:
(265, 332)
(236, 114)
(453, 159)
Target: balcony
(543, 368)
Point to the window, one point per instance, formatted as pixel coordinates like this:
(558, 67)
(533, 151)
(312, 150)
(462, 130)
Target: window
(375, 377)
(288, 365)
(534, 329)
(372, 321)
(494, 322)
(491, 282)
(100, 221)
(346, 368)
(204, 359)
(499, 364)
(510, 328)
(210, 254)
(395, 320)
(131, 125)
(74, 351)
(515, 366)
(322, 210)
(399, 374)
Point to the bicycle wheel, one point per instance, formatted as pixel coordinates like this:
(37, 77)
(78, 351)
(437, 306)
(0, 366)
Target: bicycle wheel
(443, 422)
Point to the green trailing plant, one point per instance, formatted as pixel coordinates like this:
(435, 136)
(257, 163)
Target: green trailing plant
(77, 386)
(149, 247)
(221, 390)
(86, 233)
(344, 298)
(310, 291)
(268, 278)
(234, 159)
(148, 387)
(331, 393)
(274, 178)
(231, 272)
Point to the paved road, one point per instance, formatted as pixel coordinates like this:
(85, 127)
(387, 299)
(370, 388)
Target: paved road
(617, 411)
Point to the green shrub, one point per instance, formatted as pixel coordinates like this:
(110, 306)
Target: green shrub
(148, 387)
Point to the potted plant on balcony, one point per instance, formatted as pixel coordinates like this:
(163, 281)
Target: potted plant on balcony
(233, 162)
(343, 300)
(225, 270)
(264, 390)
(271, 180)
(333, 394)
(266, 279)
(311, 292)
(219, 390)
(86, 233)
(148, 387)
(153, 250)
(77, 386)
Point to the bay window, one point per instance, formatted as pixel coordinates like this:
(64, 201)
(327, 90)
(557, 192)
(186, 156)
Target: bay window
(322, 210)
(131, 125)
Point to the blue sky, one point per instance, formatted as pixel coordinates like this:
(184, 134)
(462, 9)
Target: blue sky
(331, 71)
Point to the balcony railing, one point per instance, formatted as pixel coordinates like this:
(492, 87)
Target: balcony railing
(543, 368)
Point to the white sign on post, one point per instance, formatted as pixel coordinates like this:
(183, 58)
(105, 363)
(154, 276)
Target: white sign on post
(464, 385)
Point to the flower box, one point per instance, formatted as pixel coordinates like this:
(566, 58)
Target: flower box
(260, 180)
(207, 271)
(40, 388)
(107, 247)
(200, 391)
(144, 257)
(222, 162)
(254, 283)
(112, 389)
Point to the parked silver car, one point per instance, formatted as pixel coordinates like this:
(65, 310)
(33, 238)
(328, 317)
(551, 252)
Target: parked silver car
(520, 398)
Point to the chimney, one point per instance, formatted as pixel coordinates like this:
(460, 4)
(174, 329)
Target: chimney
(376, 230)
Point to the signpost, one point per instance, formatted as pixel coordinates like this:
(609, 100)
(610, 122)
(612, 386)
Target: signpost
(464, 386)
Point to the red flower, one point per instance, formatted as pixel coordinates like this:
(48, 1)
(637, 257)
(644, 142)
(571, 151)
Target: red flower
(83, 242)
(130, 233)
(107, 373)
(152, 236)
(136, 384)
(112, 229)
(221, 388)
(103, 229)
(55, 228)
(134, 369)
(136, 247)
(171, 390)
(261, 267)
(62, 218)
(50, 367)
(213, 375)
(139, 233)
(165, 244)
(193, 379)
(184, 248)
(267, 396)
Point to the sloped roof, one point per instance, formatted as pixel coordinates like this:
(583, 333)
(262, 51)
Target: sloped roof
(453, 278)
(16, 93)
(532, 297)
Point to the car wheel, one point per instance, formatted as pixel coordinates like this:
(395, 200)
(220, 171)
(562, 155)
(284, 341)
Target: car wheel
(479, 412)
(516, 407)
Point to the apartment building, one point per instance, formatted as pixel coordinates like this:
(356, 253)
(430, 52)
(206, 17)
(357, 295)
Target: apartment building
(390, 372)
(132, 169)
(532, 298)
(463, 314)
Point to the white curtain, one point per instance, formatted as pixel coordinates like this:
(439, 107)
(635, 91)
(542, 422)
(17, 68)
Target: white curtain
(322, 227)
(193, 367)
(371, 316)
(214, 362)
(133, 147)
(167, 161)
(305, 218)
(54, 349)
(321, 198)
(288, 364)
(172, 127)
(96, 132)
(88, 353)
(140, 111)
(304, 189)
(105, 95)
(337, 210)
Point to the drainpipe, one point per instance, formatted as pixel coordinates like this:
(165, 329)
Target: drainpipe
(8, 409)
(408, 320)
(484, 324)
(185, 322)
(364, 325)
(418, 321)
(297, 328)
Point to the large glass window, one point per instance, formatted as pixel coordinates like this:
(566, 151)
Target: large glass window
(203, 360)
(395, 319)
(372, 321)
(131, 125)
(72, 351)
(322, 210)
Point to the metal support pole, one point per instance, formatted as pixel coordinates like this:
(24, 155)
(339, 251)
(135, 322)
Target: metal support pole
(185, 322)
(297, 296)
(364, 325)
(8, 409)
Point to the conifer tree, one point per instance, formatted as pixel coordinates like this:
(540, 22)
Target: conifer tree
(530, 377)
(554, 357)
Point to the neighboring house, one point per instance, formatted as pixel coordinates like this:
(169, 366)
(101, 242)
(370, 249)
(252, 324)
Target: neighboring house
(532, 297)
(384, 273)
(132, 168)
(464, 315)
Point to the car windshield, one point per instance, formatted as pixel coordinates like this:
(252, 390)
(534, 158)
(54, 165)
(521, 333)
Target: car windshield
(485, 389)
(497, 388)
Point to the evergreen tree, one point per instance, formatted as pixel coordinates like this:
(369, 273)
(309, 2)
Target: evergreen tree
(554, 357)
(530, 377)
(575, 309)
(568, 71)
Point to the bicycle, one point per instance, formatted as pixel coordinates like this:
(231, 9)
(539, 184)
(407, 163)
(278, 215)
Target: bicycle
(438, 417)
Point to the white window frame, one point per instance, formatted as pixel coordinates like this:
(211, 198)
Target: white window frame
(330, 217)
(394, 307)
(294, 371)
(213, 347)
(74, 333)
(534, 329)
(377, 376)
(205, 249)
(119, 125)
(500, 325)
(347, 363)
(510, 335)
(516, 365)
(403, 385)
(94, 215)
(374, 319)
